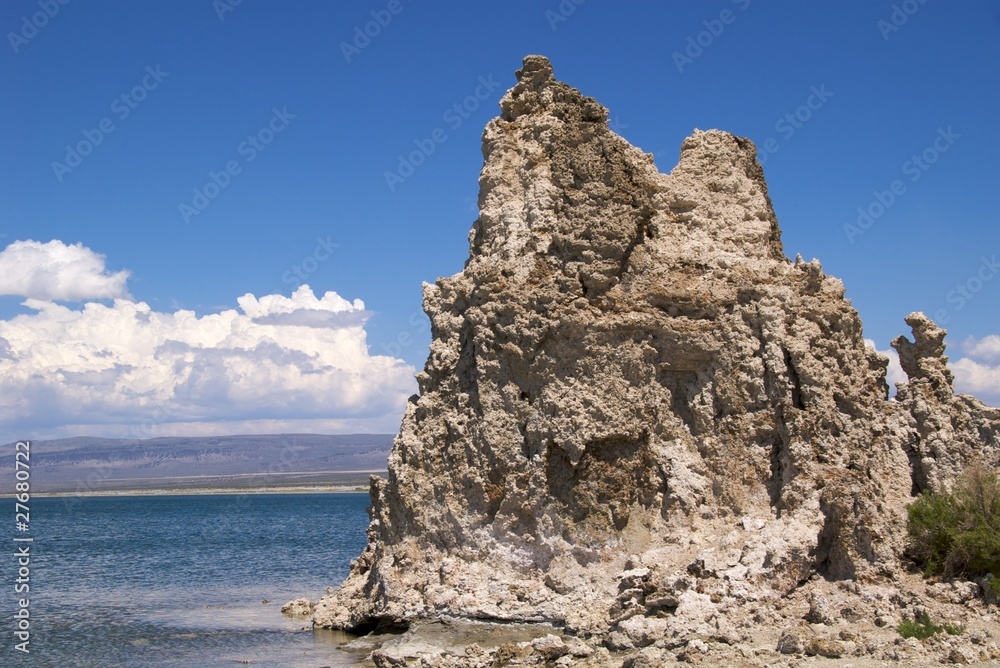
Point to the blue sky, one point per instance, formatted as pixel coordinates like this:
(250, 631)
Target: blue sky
(889, 107)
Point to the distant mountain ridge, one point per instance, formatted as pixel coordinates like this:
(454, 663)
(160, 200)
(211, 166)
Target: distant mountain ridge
(89, 464)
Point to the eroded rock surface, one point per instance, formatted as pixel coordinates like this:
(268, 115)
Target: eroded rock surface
(639, 421)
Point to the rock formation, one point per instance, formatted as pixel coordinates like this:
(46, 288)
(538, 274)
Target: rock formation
(639, 421)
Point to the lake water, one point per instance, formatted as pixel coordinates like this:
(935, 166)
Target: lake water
(177, 581)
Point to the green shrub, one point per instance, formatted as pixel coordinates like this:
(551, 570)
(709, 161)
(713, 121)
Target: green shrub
(958, 533)
(922, 627)
(991, 585)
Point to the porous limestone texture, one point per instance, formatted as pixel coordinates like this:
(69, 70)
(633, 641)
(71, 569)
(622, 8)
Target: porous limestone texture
(300, 607)
(639, 421)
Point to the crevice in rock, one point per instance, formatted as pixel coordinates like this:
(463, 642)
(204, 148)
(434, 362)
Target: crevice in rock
(527, 449)
(844, 405)
(793, 376)
(680, 385)
(776, 481)
(918, 477)
(467, 370)
(642, 231)
(378, 624)
(780, 464)
(831, 558)
(601, 489)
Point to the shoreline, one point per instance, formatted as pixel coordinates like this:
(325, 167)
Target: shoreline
(166, 491)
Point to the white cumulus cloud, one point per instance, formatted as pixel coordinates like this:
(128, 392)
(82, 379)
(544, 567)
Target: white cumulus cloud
(298, 363)
(54, 270)
(986, 348)
(978, 373)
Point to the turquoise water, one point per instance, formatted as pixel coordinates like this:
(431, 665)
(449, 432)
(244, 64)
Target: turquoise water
(179, 580)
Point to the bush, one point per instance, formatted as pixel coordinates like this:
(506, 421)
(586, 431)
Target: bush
(958, 533)
(991, 587)
(922, 627)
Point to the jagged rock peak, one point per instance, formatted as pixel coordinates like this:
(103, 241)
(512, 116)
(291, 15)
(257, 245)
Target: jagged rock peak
(536, 72)
(538, 91)
(638, 418)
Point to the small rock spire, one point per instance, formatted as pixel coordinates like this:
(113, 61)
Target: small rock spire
(538, 91)
(536, 72)
(923, 359)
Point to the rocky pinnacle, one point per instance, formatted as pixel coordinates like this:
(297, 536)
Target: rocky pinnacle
(638, 418)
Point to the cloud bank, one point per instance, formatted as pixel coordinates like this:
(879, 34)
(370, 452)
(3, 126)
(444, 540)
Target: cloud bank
(277, 364)
(55, 271)
(979, 372)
